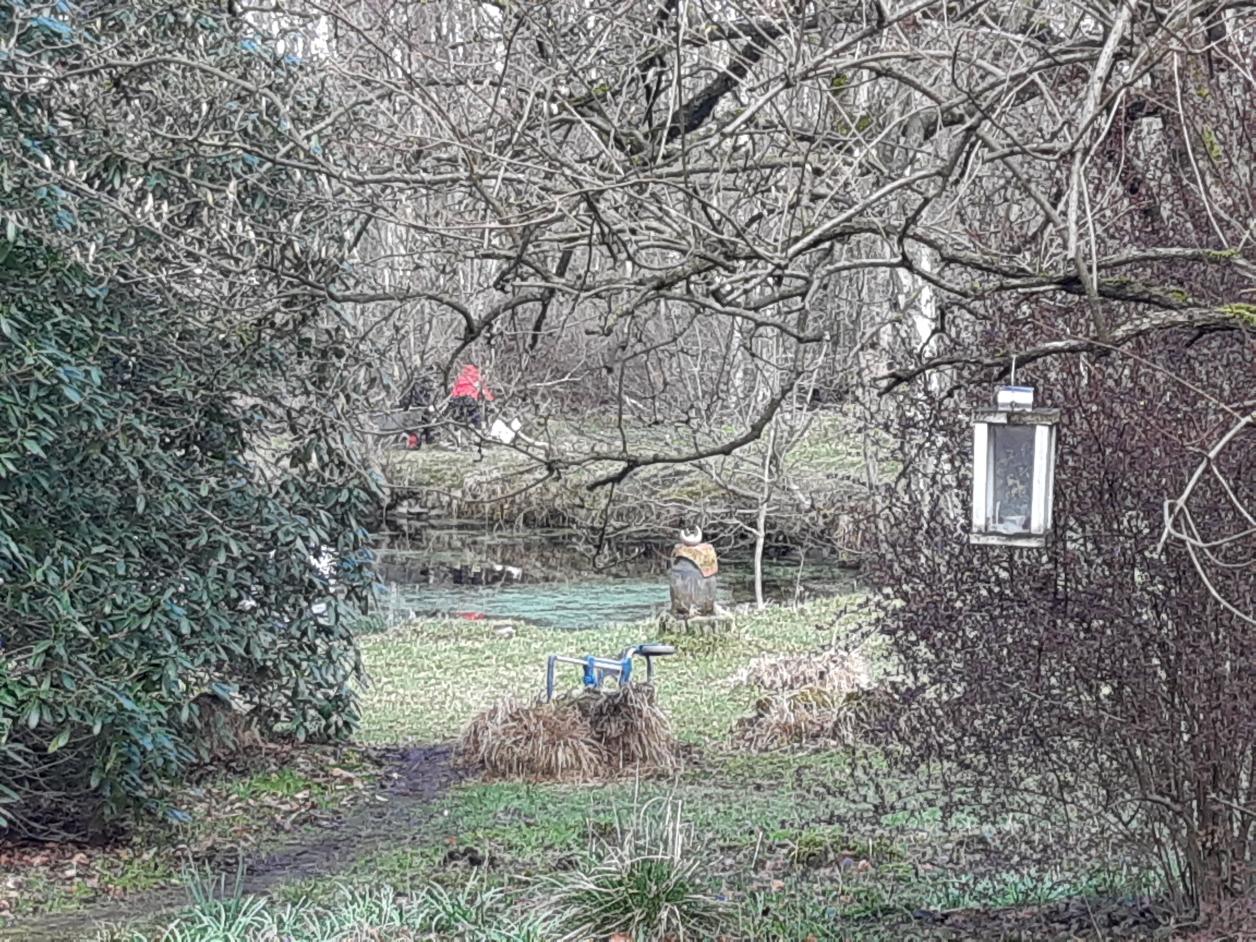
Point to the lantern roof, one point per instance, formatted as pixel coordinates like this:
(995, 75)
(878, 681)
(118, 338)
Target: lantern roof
(1014, 405)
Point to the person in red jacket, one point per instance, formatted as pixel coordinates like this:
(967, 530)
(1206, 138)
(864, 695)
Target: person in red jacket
(466, 397)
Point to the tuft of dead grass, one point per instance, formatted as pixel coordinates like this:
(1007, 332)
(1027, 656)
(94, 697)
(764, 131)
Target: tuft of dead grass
(580, 738)
(631, 728)
(222, 729)
(534, 741)
(810, 715)
(831, 669)
(824, 698)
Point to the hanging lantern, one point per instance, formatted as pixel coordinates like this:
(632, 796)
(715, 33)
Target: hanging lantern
(1013, 470)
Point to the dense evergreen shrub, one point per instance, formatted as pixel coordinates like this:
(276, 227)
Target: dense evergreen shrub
(170, 369)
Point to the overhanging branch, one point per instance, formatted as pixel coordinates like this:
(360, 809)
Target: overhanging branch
(630, 463)
(1203, 319)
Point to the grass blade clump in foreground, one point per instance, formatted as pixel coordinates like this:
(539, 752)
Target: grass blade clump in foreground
(646, 880)
(472, 914)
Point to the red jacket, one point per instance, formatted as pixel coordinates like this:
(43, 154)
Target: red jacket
(468, 384)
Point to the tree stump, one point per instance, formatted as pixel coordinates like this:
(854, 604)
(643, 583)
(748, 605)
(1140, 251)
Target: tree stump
(719, 624)
(692, 592)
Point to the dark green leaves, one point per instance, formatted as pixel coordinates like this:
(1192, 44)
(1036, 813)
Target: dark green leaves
(147, 555)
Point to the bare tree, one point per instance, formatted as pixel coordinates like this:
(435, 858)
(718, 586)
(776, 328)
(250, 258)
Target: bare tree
(597, 196)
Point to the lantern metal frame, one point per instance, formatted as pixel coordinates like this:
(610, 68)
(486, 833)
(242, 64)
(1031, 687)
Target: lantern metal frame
(1013, 407)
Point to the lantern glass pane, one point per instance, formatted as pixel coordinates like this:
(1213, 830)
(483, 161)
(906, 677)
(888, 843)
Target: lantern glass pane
(1011, 478)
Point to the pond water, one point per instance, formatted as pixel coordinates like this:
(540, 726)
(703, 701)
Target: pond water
(552, 604)
(549, 579)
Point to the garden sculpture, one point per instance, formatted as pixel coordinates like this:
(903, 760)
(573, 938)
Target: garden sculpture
(693, 575)
(597, 669)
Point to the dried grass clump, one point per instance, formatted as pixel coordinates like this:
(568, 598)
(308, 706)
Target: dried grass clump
(221, 729)
(793, 718)
(832, 670)
(548, 741)
(572, 739)
(825, 698)
(631, 728)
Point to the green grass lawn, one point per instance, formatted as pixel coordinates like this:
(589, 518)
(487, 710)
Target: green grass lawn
(820, 844)
(794, 844)
(771, 831)
(757, 819)
(428, 679)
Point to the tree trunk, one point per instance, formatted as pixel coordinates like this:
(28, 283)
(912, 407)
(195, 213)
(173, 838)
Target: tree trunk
(759, 539)
(761, 519)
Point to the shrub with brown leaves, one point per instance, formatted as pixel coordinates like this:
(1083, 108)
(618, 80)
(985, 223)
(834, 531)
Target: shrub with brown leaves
(1104, 679)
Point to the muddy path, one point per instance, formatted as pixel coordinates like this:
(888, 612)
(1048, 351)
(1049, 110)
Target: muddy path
(413, 778)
